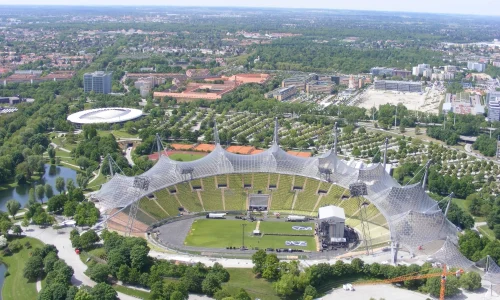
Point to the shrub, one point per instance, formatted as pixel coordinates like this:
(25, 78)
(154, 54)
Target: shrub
(15, 246)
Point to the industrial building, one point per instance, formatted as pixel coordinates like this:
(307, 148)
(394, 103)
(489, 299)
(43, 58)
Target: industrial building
(320, 87)
(400, 86)
(99, 82)
(282, 93)
(463, 104)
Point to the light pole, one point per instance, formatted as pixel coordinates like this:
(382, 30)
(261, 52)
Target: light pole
(243, 235)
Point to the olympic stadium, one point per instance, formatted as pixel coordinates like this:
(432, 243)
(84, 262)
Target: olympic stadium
(109, 115)
(384, 214)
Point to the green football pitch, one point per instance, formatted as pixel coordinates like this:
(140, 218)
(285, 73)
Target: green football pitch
(210, 233)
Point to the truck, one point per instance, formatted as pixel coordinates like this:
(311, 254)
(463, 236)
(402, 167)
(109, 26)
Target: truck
(216, 215)
(293, 218)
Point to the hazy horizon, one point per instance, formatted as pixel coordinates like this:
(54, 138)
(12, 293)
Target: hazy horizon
(480, 7)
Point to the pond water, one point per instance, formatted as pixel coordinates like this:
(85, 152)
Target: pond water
(20, 193)
(3, 270)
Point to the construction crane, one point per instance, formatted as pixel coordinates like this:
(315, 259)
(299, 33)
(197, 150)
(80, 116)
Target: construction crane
(414, 276)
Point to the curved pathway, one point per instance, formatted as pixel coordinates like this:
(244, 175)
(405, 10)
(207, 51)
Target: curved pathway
(61, 240)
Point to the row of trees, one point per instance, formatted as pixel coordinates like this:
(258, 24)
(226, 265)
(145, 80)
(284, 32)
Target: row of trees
(127, 260)
(289, 280)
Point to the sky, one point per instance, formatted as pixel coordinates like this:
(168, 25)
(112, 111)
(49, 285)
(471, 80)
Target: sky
(477, 7)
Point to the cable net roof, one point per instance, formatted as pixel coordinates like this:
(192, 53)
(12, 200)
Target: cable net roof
(414, 218)
(450, 255)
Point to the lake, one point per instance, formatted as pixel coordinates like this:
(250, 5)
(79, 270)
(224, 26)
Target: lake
(20, 193)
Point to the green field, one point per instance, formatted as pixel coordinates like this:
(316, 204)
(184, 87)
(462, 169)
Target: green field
(229, 233)
(15, 285)
(245, 279)
(285, 227)
(185, 156)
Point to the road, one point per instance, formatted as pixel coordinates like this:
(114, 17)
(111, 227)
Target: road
(128, 156)
(60, 148)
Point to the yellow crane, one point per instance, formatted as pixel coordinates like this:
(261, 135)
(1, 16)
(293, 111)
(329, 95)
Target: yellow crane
(413, 276)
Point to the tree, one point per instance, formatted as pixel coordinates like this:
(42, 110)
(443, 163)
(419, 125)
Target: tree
(86, 214)
(82, 180)
(25, 223)
(13, 207)
(123, 273)
(242, 295)
(98, 273)
(3, 241)
(210, 284)
(84, 295)
(40, 192)
(70, 208)
(16, 229)
(433, 285)
(70, 185)
(60, 184)
(88, 239)
(259, 260)
(470, 281)
(56, 203)
(49, 192)
(139, 256)
(103, 291)
(33, 268)
(176, 295)
(417, 130)
(285, 285)
(311, 292)
(271, 271)
(31, 196)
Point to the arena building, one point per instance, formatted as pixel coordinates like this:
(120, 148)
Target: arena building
(414, 220)
(109, 115)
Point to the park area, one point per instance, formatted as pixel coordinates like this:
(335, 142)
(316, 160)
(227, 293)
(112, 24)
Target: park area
(229, 233)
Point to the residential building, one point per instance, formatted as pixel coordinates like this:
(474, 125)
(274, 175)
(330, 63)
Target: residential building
(282, 93)
(422, 70)
(402, 73)
(493, 102)
(450, 68)
(477, 66)
(400, 86)
(99, 82)
(380, 71)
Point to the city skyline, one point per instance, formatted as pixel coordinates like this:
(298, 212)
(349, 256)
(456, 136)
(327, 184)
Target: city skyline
(481, 7)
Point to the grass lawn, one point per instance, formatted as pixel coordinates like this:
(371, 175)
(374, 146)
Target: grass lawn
(16, 286)
(463, 204)
(256, 288)
(131, 292)
(487, 232)
(228, 233)
(285, 227)
(185, 156)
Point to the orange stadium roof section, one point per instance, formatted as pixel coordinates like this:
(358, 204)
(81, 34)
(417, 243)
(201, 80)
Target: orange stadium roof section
(256, 151)
(240, 149)
(181, 146)
(205, 147)
(300, 154)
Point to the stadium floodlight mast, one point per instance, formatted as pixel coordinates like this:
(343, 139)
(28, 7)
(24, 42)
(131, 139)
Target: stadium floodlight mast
(385, 152)
(358, 190)
(243, 236)
(141, 184)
